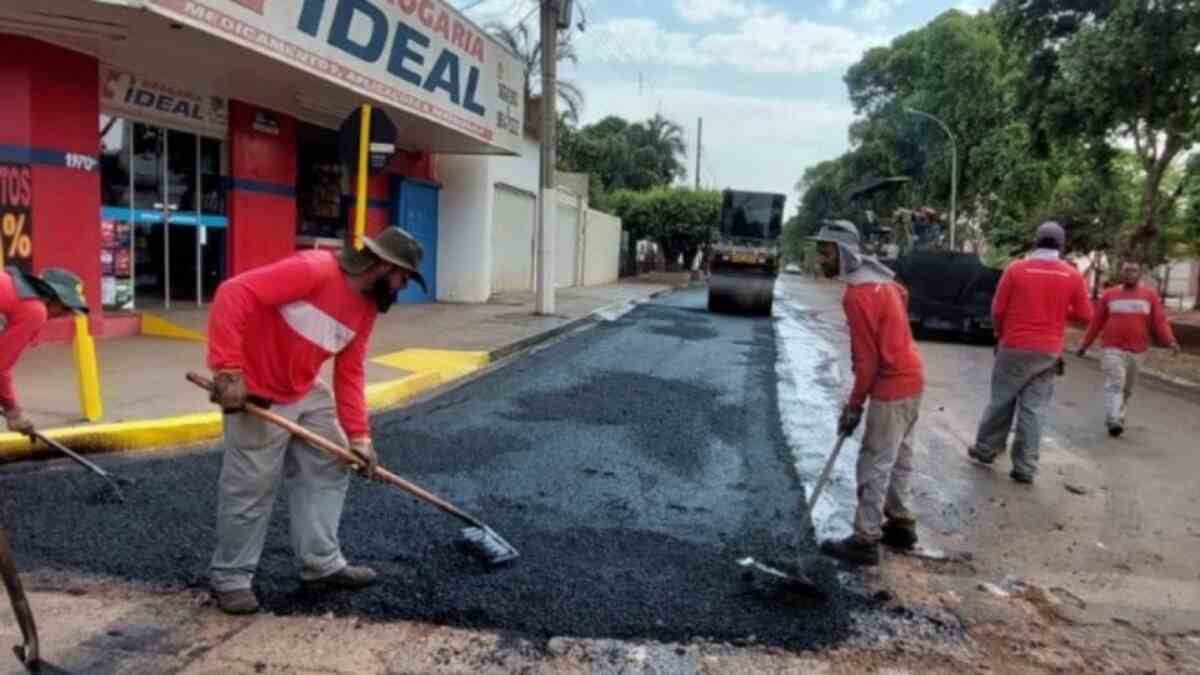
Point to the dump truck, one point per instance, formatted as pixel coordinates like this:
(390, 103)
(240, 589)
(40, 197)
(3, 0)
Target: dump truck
(745, 261)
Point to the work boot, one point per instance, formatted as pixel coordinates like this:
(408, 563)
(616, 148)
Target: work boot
(1115, 430)
(976, 454)
(1021, 477)
(852, 550)
(238, 601)
(900, 534)
(350, 577)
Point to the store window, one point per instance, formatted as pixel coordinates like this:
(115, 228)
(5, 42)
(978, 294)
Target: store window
(321, 180)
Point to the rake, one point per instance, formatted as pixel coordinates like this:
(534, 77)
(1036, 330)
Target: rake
(477, 537)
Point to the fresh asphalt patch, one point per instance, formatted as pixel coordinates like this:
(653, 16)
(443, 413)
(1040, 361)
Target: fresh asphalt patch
(631, 465)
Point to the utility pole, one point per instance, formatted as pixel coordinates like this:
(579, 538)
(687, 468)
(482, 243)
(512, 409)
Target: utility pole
(547, 224)
(699, 147)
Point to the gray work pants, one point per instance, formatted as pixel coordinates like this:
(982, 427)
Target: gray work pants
(258, 456)
(1022, 386)
(885, 465)
(1120, 377)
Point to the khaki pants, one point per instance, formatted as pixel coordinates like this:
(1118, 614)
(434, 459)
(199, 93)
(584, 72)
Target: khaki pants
(1120, 376)
(885, 465)
(1022, 386)
(258, 456)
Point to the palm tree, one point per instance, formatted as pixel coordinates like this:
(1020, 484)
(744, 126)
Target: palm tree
(659, 141)
(528, 48)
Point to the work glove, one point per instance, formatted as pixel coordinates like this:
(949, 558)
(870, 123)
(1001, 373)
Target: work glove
(365, 449)
(1081, 351)
(229, 390)
(849, 419)
(17, 421)
(1060, 366)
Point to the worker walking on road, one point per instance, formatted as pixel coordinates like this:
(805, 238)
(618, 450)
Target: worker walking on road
(1127, 315)
(26, 302)
(270, 331)
(889, 371)
(1033, 301)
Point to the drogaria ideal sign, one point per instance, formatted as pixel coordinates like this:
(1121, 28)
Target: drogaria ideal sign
(420, 56)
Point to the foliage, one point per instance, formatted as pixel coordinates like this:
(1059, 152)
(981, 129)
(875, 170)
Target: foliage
(521, 41)
(682, 221)
(1103, 72)
(624, 155)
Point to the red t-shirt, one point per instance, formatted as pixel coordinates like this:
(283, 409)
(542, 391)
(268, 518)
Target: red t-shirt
(23, 319)
(1127, 318)
(1033, 301)
(278, 324)
(887, 364)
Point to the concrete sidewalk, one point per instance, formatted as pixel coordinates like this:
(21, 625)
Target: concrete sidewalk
(147, 401)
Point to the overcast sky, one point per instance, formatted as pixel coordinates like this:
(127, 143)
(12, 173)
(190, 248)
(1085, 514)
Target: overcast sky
(766, 75)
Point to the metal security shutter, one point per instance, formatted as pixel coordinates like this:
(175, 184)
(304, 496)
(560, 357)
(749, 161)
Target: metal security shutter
(514, 217)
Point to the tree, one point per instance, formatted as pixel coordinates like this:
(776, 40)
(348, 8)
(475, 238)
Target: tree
(1109, 70)
(625, 156)
(680, 220)
(528, 48)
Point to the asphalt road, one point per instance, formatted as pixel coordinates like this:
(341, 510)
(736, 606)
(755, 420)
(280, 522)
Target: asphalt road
(631, 464)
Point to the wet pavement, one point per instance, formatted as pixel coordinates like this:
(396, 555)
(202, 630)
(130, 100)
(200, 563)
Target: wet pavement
(631, 464)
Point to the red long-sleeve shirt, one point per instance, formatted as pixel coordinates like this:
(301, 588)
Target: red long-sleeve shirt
(1128, 317)
(278, 324)
(1033, 302)
(887, 364)
(23, 319)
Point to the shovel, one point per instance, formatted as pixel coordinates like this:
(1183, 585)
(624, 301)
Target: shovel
(115, 482)
(798, 580)
(28, 651)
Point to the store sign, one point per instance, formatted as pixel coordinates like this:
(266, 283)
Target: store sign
(123, 93)
(16, 216)
(417, 55)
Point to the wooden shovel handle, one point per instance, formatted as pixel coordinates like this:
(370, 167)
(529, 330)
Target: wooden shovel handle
(345, 454)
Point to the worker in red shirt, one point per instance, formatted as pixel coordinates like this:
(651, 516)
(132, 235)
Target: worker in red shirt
(1127, 315)
(26, 301)
(1033, 301)
(889, 372)
(270, 331)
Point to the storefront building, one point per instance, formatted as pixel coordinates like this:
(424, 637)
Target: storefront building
(157, 147)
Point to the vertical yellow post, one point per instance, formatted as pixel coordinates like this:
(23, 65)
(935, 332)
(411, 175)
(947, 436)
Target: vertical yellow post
(85, 367)
(360, 202)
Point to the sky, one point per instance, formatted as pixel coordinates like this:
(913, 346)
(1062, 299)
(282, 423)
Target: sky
(766, 75)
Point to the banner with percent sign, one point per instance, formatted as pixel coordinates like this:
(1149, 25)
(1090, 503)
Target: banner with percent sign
(16, 219)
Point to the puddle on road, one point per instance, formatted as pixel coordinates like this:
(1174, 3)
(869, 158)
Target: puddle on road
(810, 383)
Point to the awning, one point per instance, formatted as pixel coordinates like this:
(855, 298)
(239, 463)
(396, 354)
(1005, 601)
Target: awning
(446, 84)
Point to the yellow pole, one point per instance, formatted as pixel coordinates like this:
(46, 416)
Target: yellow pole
(85, 367)
(360, 205)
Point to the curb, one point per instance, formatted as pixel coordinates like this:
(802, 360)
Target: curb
(204, 427)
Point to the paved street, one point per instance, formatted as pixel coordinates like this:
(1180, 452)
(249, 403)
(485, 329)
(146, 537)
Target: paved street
(632, 463)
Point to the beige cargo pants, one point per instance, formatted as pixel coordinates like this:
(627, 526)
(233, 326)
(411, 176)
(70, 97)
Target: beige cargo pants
(1120, 377)
(885, 466)
(258, 456)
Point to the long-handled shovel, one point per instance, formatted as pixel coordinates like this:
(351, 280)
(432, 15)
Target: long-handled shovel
(798, 580)
(27, 652)
(480, 538)
(115, 482)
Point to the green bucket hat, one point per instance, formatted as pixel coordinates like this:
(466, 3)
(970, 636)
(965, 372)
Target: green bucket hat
(55, 283)
(394, 246)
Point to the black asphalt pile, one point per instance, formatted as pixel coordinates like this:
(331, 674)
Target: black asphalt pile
(631, 466)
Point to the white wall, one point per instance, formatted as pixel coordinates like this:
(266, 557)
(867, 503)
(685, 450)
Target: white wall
(566, 244)
(464, 229)
(514, 221)
(601, 248)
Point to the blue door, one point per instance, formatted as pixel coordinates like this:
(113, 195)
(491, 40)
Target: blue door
(415, 210)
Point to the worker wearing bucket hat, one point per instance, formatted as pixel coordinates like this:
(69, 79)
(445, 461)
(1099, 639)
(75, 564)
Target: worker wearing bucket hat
(26, 301)
(270, 331)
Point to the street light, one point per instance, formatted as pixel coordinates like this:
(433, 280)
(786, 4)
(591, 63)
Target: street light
(953, 170)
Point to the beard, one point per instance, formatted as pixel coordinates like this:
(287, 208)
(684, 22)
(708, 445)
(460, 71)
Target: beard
(382, 294)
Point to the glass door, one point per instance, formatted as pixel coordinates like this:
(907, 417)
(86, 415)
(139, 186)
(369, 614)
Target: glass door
(164, 188)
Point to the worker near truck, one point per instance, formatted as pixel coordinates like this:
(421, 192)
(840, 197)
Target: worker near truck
(270, 331)
(26, 302)
(1034, 299)
(888, 371)
(1128, 316)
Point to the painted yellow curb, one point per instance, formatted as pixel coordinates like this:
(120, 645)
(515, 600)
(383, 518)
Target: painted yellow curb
(449, 364)
(156, 326)
(432, 368)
